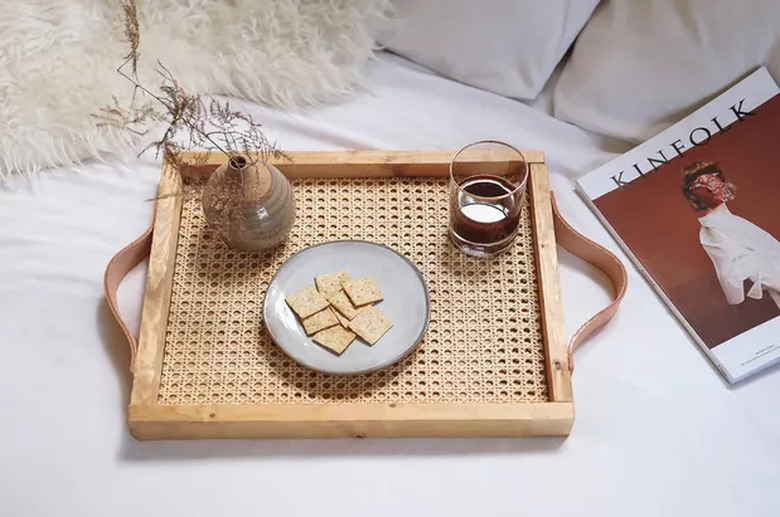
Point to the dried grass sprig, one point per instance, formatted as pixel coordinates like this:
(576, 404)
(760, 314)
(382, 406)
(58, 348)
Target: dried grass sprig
(191, 124)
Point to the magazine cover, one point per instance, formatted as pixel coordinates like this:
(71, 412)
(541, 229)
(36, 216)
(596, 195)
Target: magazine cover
(697, 208)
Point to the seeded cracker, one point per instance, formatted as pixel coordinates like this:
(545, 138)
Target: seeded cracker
(370, 324)
(322, 320)
(306, 302)
(335, 338)
(363, 291)
(342, 320)
(331, 282)
(342, 303)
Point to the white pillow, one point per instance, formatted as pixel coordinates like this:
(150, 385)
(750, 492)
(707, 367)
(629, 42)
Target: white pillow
(639, 66)
(509, 47)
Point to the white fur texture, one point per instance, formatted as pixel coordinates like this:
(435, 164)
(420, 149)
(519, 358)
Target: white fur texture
(58, 61)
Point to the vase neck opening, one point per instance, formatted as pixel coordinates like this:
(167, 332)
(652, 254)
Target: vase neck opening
(237, 163)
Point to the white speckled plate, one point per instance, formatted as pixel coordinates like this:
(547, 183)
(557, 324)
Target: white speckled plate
(406, 303)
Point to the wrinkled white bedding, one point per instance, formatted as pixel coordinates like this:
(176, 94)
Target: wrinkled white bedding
(657, 431)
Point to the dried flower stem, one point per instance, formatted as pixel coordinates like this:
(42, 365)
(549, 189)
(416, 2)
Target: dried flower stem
(190, 122)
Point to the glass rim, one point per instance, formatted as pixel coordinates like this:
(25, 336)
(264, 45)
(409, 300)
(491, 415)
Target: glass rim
(521, 186)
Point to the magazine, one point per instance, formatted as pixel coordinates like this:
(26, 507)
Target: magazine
(697, 208)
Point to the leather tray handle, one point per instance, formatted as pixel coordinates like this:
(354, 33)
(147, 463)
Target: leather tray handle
(592, 252)
(116, 270)
(571, 240)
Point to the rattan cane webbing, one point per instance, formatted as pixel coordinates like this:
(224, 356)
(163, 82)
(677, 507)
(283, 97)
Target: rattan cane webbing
(484, 342)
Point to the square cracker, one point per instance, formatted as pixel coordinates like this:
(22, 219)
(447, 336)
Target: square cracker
(344, 321)
(336, 338)
(343, 304)
(330, 283)
(306, 302)
(326, 318)
(370, 324)
(363, 291)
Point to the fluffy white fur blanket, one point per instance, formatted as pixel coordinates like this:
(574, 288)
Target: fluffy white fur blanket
(58, 61)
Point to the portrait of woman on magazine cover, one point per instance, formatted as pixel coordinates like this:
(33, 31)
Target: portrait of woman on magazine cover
(739, 249)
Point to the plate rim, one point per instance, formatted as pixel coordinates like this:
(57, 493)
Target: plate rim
(390, 362)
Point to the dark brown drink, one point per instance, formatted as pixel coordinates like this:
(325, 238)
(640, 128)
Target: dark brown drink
(484, 210)
(488, 180)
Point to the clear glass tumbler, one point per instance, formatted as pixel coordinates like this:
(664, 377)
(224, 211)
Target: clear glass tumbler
(488, 181)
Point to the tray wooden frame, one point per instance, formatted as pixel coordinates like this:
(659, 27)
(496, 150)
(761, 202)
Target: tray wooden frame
(150, 420)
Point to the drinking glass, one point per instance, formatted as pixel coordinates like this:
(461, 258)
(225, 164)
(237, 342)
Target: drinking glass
(488, 181)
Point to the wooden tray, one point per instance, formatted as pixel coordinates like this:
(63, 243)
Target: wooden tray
(493, 362)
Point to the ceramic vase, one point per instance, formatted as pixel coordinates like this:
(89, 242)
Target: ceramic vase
(249, 204)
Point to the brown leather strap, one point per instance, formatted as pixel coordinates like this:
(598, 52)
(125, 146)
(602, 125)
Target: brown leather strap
(571, 240)
(116, 270)
(592, 252)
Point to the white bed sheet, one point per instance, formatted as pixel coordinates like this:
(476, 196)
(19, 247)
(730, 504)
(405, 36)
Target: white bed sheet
(657, 432)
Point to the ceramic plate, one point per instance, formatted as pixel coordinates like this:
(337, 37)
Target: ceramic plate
(406, 303)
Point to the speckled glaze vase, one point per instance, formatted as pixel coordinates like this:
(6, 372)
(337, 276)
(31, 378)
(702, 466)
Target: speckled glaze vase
(249, 205)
